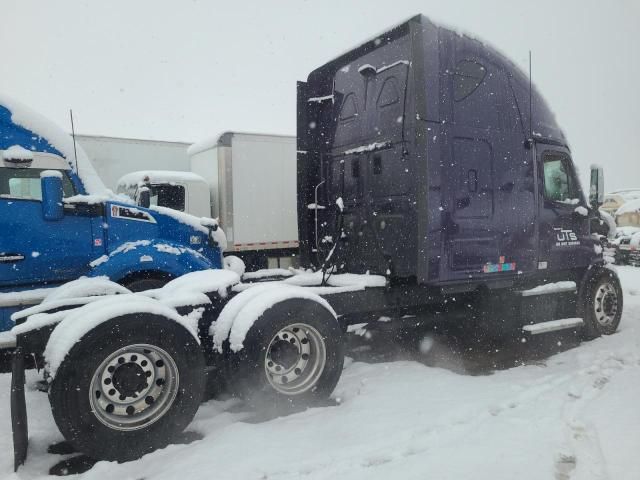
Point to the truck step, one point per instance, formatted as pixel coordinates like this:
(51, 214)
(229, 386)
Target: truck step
(550, 288)
(553, 325)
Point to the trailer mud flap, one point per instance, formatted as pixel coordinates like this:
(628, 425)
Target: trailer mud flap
(18, 410)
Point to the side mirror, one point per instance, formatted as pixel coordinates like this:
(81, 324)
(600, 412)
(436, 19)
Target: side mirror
(596, 189)
(144, 197)
(51, 184)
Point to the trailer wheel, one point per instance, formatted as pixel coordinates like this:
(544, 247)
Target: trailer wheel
(600, 305)
(128, 387)
(293, 352)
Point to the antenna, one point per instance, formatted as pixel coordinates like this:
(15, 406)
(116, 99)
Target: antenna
(530, 102)
(73, 135)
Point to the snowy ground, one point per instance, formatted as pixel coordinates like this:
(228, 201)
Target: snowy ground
(567, 411)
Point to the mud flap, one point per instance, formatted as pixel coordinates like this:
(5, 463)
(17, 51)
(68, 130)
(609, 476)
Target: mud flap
(18, 410)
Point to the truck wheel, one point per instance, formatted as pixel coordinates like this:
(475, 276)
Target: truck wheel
(128, 387)
(600, 305)
(293, 352)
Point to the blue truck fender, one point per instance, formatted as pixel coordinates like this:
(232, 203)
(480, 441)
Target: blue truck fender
(165, 258)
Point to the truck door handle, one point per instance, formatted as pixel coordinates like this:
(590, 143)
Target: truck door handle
(10, 257)
(472, 181)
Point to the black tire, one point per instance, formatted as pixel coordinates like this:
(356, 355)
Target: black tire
(249, 378)
(600, 304)
(80, 422)
(140, 284)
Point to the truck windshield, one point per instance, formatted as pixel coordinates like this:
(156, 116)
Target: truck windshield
(25, 183)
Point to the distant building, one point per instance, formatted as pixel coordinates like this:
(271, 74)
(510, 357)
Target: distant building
(614, 200)
(628, 215)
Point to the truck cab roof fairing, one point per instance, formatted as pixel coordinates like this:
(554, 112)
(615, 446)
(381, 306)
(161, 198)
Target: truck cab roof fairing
(440, 48)
(17, 135)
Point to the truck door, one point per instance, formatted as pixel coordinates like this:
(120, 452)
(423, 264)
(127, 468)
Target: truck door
(368, 166)
(33, 250)
(488, 200)
(564, 227)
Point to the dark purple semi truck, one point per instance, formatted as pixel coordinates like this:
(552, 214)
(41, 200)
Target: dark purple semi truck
(452, 177)
(427, 161)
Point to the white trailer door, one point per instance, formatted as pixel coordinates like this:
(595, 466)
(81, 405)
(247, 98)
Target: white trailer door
(264, 191)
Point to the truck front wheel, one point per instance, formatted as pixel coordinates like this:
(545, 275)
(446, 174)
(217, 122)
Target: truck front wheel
(128, 387)
(600, 305)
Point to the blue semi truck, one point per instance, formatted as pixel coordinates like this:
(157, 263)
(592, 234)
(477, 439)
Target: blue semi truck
(54, 229)
(434, 185)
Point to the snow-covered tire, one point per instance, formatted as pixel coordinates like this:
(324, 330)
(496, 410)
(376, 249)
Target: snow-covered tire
(101, 396)
(600, 304)
(293, 353)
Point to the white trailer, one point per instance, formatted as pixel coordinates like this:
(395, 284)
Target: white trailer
(251, 188)
(112, 157)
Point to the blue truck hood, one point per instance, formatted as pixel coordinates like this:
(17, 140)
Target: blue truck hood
(128, 223)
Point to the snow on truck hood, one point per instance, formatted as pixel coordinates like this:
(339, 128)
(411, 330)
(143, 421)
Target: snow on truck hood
(43, 128)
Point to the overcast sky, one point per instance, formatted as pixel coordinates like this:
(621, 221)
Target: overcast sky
(184, 70)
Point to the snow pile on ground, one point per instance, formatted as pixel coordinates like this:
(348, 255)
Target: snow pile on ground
(569, 415)
(59, 139)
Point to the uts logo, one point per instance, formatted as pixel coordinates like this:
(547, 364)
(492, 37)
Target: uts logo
(566, 237)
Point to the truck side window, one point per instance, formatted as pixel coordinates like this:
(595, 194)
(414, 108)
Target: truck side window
(170, 196)
(25, 183)
(467, 77)
(389, 93)
(559, 184)
(349, 109)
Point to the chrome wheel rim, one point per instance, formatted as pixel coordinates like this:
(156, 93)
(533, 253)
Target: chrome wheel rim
(295, 359)
(606, 304)
(133, 387)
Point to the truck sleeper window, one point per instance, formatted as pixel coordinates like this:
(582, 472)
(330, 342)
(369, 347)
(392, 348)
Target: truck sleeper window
(25, 183)
(559, 184)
